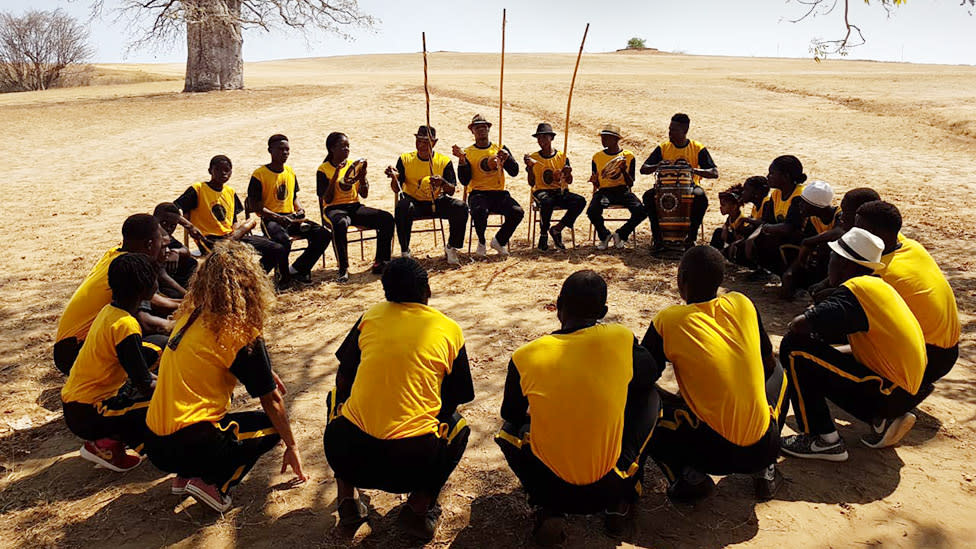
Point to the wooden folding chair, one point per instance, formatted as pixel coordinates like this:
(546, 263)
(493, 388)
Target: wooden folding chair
(436, 223)
(535, 221)
(490, 225)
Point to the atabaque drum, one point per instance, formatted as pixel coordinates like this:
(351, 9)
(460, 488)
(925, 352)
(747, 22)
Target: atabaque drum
(673, 195)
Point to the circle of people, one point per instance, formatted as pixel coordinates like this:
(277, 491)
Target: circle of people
(581, 411)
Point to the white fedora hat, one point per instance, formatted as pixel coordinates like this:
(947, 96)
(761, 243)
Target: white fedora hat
(861, 247)
(818, 193)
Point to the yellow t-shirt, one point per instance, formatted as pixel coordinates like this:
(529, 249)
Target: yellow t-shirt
(576, 385)
(88, 300)
(416, 174)
(689, 153)
(780, 206)
(715, 350)
(340, 196)
(912, 272)
(406, 351)
(601, 159)
(277, 189)
(547, 173)
(97, 373)
(485, 172)
(893, 346)
(214, 214)
(195, 383)
(819, 226)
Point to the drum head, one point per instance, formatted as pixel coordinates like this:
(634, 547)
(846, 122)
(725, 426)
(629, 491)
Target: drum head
(668, 201)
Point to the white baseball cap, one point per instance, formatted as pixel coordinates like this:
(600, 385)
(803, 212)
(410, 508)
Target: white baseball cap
(818, 193)
(861, 247)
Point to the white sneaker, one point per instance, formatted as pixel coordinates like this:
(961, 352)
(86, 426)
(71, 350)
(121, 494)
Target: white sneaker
(502, 250)
(618, 242)
(604, 242)
(405, 253)
(482, 251)
(452, 256)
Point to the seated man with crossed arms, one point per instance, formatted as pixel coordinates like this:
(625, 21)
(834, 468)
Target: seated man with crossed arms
(578, 410)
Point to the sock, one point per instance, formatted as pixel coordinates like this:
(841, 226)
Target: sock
(830, 437)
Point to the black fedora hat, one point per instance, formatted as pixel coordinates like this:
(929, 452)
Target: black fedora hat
(426, 131)
(544, 128)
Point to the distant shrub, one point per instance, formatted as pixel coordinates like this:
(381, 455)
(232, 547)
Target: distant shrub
(636, 44)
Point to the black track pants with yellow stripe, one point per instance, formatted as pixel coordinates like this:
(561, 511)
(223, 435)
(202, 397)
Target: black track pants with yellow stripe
(819, 372)
(219, 453)
(121, 417)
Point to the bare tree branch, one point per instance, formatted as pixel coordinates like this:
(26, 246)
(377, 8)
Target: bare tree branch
(37, 48)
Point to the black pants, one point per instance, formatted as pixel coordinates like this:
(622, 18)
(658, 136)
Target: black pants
(684, 440)
(273, 255)
(417, 464)
(121, 417)
(485, 203)
(180, 273)
(220, 454)
(551, 200)
(819, 372)
(615, 196)
(453, 210)
(940, 362)
(316, 236)
(66, 351)
(343, 216)
(699, 204)
(622, 484)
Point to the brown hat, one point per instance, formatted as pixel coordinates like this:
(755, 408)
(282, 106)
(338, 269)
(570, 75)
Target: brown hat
(544, 128)
(422, 131)
(610, 129)
(478, 119)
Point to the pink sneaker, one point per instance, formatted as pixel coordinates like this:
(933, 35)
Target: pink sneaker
(208, 494)
(109, 454)
(179, 486)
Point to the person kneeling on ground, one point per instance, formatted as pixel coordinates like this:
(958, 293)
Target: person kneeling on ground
(179, 263)
(782, 217)
(879, 381)
(108, 389)
(589, 388)
(727, 416)
(215, 343)
(393, 420)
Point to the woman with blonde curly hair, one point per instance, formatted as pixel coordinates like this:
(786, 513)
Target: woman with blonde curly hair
(217, 342)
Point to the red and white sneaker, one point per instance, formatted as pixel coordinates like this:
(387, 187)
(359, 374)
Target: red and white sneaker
(208, 494)
(179, 486)
(109, 454)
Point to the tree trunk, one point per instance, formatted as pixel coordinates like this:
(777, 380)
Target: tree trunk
(214, 60)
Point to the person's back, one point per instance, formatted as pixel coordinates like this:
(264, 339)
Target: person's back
(91, 296)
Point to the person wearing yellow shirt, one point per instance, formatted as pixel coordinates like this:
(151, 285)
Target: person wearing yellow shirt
(679, 148)
(393, 420)
(729, 203)
(613, 187)
(853, 199)
(141, 234)
(482, 168)
(726, 418)
(809, 266)
(425, 188)
(755, 192)
(579, 408)
(217, 342)
(273, 194)
(782, 216)
(879, 381)
(108, 389)
(550, 176)
(179, 262)
(342, 208)
(911, 271)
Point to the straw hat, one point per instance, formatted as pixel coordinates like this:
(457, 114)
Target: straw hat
(422, 131)
(610, 129)
(818, 193)
(861, 247)
(478, 119)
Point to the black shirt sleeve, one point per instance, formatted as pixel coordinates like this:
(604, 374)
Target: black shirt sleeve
(640, 413)
(187, 201)
(401, 175)
(252, 367)
(129, 351)
(238, 206)
(295, 192)
(705, 161)
(254, 187)
(321, 183)
(457, 387)
(837, 316)
(632, 169)
(765, 345)
(655, 157)
(349, 356)
(593, 167)
(464, 173)
(511, 166)
(449, 174)
(515, 406)
(794, 215)
(655, 345)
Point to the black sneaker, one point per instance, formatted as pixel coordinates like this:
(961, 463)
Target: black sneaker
(286, 284)
(759, 275)
(352, 513)
(767, 482)
(557, 238)
(689, 243)
(658, 247)
(378, 267)
(550, 528)
(888, 432)
(691, 487)
(420, 526)
(814, 447)
(543, 242)
(615, 520)
(302, 277)
(343, 277)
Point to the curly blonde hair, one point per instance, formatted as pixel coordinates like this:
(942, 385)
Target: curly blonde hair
(232, 292)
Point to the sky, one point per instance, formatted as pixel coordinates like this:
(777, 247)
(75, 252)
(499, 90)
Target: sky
(923, 31)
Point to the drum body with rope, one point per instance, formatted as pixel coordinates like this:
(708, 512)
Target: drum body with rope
(673, 195)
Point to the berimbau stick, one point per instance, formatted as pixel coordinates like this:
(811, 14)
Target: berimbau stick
(572, 84)
(501, 98)
(430, 141)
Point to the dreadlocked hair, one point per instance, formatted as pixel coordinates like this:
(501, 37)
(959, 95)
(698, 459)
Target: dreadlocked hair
(232, 294)
(732, 193)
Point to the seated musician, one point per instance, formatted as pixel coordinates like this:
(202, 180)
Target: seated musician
(549, 176)
(733, 229)
(912, 272)
(782, 216)
(424, 183)
(273, 195)
(612, 175)
(579, 407)
(140, 234)
(342, 209)
(679, 148)
(810, 264)
(98, 407)
(727, 416)
(179, 263)
(481, 168)
(879, 382)
(393, 419)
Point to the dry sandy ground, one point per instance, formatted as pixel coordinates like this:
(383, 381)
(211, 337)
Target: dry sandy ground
(86, 158)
